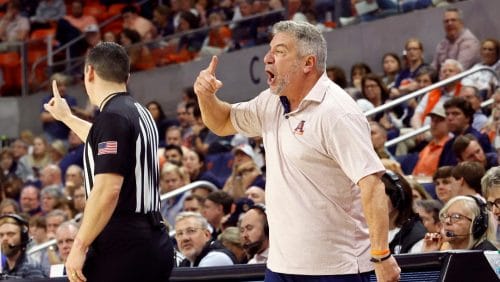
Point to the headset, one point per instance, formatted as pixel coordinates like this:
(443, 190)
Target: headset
(396, 195)
(262, 209)
(480, 223)
(24, 226)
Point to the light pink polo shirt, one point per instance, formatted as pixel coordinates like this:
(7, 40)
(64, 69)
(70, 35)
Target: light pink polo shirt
(313, 160)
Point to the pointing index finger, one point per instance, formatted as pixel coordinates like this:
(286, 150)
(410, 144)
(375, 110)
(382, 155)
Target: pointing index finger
(213, 65)
(55, 90)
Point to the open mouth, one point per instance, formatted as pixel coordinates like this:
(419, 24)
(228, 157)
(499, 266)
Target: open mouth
(270, 77)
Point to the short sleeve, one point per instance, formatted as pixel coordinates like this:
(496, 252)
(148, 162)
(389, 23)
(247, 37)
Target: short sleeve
(113, 144)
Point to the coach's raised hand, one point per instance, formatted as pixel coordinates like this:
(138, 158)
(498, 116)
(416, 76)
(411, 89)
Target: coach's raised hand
(206, 83)
(57, 106)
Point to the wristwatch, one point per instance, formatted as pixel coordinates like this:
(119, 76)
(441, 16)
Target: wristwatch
(377, 260)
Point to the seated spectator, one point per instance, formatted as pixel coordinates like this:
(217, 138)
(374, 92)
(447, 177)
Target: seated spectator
(140, 55)
(459, 43)
(79, 201)
(466, 148)
(19, 150)
(472, 95)
(466, 226)
(254, 232)
(189, 43)
(38, 235)
(428, 210)
(256, 194)
(439, 95)
(65, 236)
(219, 37)
(54, 219)
(14, 231)
(491, 191)
(48, 12)
(418, 191)
(358, 71)
(39, 157)
(216, 207)
(405, 81)
(243, 176)
(426, 76)
(161, 121)
(7, 165)
(443, 182)
(428, 158)
(244, 30)
(195, 243)
(194, 162)
(230, 239)
(8, 205)
(391, 65)
(337, 75)
(193, 203)
(73, 177)
(172, 177)
(51, 197)
(162, 20)
(374, 90)
(57, 151)
(485, 81)
(132, 20)
(13, 26)
(72, 26)
(30, 200)
(51, 177)
(459, 116)
(379, 137)
(406, 231)
(75, 152)
(467, 178)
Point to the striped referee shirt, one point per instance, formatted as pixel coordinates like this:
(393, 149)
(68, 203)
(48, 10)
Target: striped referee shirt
(124, 140)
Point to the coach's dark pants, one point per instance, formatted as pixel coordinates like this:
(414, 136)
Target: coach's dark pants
(280, 277)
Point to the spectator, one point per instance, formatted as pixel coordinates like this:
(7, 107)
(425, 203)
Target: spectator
(230, 239)
(193, 203)
(132, 20)
(428, 210)
(195, 243)
(466, 148)
(426, 76)
(256, 194)
(472, 94)
(51, 197)
(245, 30)
(140, 55)
(428, 158)
(358, 71)
(13, 26)
(391, 65)
(243, 176)
(485, 81)
(14, 231)
(405, 228)
(219, 37)
(189, 43)
(39, 158)
(79, 200)
(194, 162)
(52, 128)
(459, 115)
(48, 12)
(216, 206)
(19, 150)
(443, 182)
(467, 178)
(75, 152)
(491, 191)
(50, 176)
(459, 43)
(7, 165)
(57, 151)
(65, 236)
(440, 95)
(466, 226)
(405, 82)
(54, 219)
(173, 154)
(73, 177)
(161, 121)
(172, 177)
(337, 75)
(162, 19)
(254, 230)
(30, 200)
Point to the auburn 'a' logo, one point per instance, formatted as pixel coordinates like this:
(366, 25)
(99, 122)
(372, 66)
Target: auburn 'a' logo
(299, 130)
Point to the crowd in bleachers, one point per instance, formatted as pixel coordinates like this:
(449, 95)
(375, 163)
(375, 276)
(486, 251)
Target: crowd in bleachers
(42, 177)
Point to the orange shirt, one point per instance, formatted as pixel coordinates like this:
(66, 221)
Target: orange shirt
(428, 158)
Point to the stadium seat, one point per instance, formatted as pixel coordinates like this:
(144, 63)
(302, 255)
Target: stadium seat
(10, 63)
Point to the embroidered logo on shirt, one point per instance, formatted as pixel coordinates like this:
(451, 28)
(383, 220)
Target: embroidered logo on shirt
(107, 148)
(299, 130)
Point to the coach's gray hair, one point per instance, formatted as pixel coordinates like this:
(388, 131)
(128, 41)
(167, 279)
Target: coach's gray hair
(310, 41)
(196, 215)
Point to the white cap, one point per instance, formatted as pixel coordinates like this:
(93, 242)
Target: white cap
(246, 149)
(91, 28)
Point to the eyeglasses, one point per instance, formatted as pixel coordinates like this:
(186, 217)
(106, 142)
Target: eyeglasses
(496, 203)
(188, 232)
(454, 217)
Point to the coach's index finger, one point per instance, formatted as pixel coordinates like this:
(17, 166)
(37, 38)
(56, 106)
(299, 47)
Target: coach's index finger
(213, 65)
(55, 90)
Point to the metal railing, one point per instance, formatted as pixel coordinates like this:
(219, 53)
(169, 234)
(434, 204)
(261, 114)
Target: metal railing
(421, 92)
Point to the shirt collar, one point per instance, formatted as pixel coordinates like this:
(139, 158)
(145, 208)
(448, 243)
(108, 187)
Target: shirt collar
(316, 94)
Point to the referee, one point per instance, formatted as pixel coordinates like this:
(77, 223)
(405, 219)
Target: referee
(121, 237)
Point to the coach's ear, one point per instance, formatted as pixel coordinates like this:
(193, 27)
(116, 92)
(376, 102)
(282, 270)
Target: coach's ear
(309, 63)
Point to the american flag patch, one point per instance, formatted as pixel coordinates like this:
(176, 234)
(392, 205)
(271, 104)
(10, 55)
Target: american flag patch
(106, 148)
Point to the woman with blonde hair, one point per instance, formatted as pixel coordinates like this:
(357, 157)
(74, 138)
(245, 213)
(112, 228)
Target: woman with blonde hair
(172, 177)
(466, 226)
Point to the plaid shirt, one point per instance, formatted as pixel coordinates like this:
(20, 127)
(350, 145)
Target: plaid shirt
(25, 268)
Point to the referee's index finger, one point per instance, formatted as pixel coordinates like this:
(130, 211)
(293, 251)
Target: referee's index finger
(213, 65)
(55, 90)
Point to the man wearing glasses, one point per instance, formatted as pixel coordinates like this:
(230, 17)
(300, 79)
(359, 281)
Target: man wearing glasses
(195, 243)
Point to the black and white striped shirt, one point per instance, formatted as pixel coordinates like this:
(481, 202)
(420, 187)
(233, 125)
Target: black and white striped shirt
(124, 140)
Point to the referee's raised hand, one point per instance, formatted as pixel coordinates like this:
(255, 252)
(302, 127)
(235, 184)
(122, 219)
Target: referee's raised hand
(57, 106)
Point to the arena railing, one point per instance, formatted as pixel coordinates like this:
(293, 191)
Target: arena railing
(421, 92)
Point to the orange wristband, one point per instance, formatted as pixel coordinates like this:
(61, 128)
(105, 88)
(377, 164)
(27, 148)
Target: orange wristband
(380, 252)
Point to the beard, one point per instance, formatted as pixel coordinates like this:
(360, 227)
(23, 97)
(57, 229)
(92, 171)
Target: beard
(8, 251)
(284, 80)
(253, 248)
